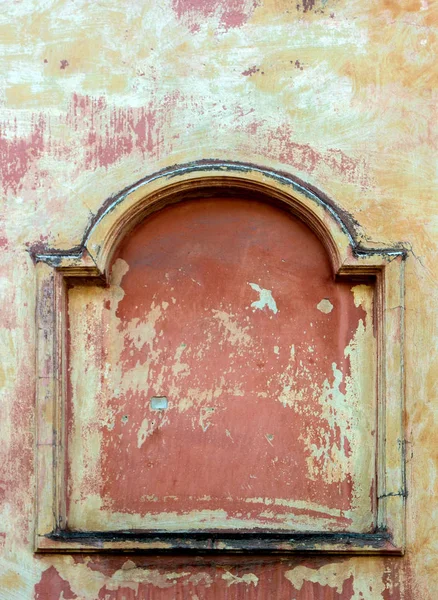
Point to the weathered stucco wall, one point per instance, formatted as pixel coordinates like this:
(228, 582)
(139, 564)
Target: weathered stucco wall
(95, 96)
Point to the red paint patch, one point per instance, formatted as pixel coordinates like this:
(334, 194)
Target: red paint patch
(250, 71)
(127, 593)
(2, 492)
(316, 591)
(63, 64)
(53, 587)
(229, 234)
(110, 133)
(308, 5)
(351, 169)
(18, 154)
(100, 134)
(309, 160)
(392, 579)
(231, 14)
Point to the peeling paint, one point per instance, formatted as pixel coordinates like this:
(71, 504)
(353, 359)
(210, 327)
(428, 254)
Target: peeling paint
(325, 306)
(247, 578)
(265, 299)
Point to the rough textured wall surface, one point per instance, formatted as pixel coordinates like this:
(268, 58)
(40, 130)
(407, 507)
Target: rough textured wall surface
(96, 95)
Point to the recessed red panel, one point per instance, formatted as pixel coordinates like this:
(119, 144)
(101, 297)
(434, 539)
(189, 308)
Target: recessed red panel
(228, 369)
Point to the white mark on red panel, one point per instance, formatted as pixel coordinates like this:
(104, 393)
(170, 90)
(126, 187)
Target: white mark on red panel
(205, 414)
(265, 299)
(146, 429)
(325, 306)
(248, 578)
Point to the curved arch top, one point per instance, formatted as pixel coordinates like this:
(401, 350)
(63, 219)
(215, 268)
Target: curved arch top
(149, 195)
(336, 229)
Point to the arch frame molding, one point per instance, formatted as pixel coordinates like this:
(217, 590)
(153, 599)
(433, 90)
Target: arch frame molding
(90, 261)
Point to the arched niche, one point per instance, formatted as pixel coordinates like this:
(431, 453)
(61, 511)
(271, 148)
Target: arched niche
(220, 369)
